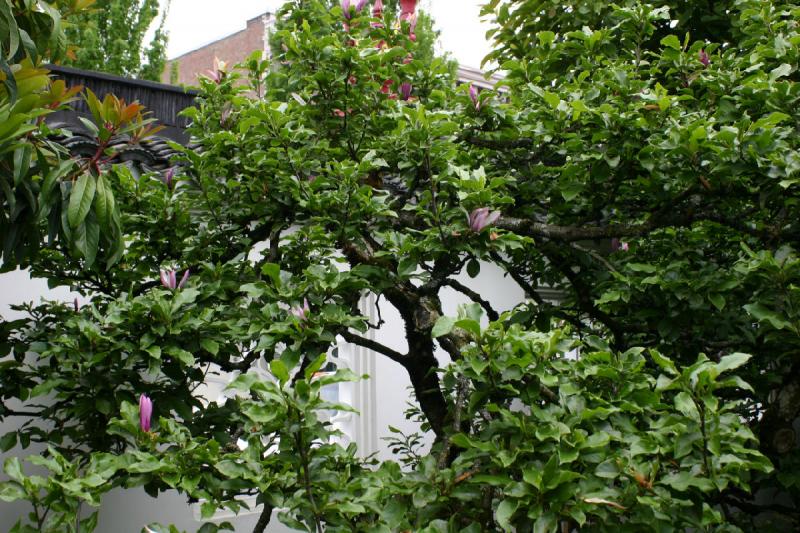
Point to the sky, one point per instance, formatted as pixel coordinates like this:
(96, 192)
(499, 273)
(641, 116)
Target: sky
(193, 23)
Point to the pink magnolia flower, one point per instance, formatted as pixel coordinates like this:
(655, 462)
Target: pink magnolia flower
(386, 88)
(360, 5)
(481, 218)
(618, 245)
(405, 91)
(169, 177)
(473, 95)
(218, 73)
(145, 412)
(301, 313)
(413, 28)
(407, 8)
(169, 279)
(702, 55)
(377, 12)
(346, 9)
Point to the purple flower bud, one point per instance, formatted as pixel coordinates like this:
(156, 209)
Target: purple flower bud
(346, 9)
(405, 91)
(473, 95)
(75, 304)
(480, 218)
(168, 177)
(145, 412)
(169, 279)
(165, 279)
(702, 55)
(618, 245)
(360, 5)
(301, 313)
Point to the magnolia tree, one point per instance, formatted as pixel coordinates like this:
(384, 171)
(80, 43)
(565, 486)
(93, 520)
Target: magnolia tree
(640, 158)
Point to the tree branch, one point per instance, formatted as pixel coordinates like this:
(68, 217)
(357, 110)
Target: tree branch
(374, 346)
(472, 295)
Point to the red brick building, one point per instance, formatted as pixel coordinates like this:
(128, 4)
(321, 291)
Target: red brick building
(236, 47)
(231, 49)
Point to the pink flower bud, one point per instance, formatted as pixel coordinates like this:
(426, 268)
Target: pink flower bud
(473, 95)
(145, 412)
(301, 313)
(407, 8)
(702, 55)
(480, 218)
(405, 91)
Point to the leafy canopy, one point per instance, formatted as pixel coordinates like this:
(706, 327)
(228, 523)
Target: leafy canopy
(640, 160)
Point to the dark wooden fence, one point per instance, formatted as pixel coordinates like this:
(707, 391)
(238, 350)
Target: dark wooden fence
(164, 102)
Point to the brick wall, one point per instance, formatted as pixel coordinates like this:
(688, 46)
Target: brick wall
(230, 49)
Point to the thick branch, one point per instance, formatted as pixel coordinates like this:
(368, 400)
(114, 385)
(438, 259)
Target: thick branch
(374, 346)
(263, 520)
(474, 296)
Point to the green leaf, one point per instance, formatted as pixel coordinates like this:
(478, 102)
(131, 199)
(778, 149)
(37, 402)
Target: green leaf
(547, 523)
(781, 71)
(664, 362)
(732, 361)
(764, 314)
(146, 464)
(210, 346)
(443, 326)
(80, 200)
(186, 358)
(505, 511)
(473, 268)
(279, 370)
(671, 41)
(272, 271)
(11, 491)
(8, 441)
(13, 468)
(718, 300)
(685, 404)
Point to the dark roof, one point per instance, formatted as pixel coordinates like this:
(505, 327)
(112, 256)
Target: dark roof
(163, 102)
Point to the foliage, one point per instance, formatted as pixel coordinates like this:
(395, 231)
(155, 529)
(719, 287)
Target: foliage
(39, 178)
(111, 38)
(649, 177)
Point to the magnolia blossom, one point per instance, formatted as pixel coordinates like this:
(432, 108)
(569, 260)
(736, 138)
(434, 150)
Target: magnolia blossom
(301, 313)
(407, 9)
(702, 55)
(481, 218)
(377, 12)
(218, 73)
(169, 279)
(405, 91)
(75, 304)
(473, 95)
(145, 412)
(618, 245)
(386, 88)
(360, 5)
(169, 177)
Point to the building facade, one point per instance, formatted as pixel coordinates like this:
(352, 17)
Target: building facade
(185, 69)
(235, 48)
